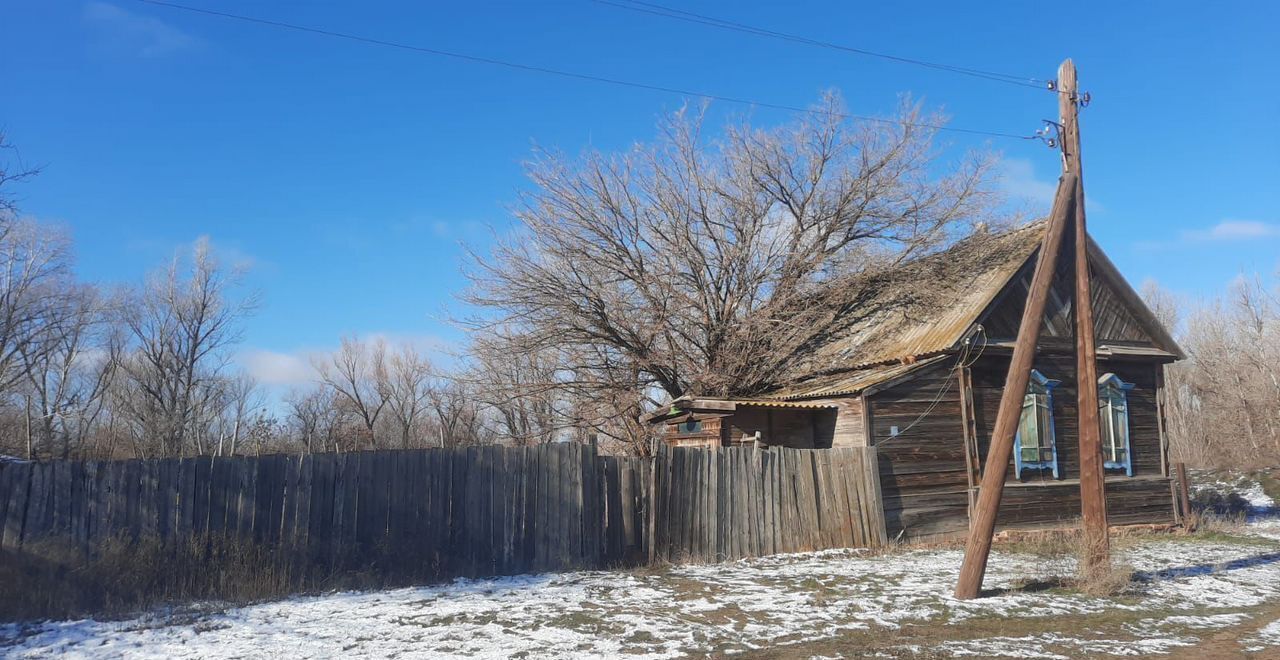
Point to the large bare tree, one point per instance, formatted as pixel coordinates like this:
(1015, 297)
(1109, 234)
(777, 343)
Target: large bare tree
(693, 264)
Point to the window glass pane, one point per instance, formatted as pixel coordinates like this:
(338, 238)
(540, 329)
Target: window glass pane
(1113, 418)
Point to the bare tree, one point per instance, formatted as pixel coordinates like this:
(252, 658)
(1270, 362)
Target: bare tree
(180, 324)
(1222, 404)
(35, 277)
(458, 416)
(690, 265)
(315, 418)
(70, 369)
(12, 170)
(527, 391)
(243, 405)
(357, 374)
(407, 388)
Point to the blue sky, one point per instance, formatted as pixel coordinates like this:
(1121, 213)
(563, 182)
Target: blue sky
(348, 175)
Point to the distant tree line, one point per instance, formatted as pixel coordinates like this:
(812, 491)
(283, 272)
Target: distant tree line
(1223, 401)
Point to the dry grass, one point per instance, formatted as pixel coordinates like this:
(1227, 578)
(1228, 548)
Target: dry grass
(1048, 543)
(1097, 571)
(1095, 577)
(123, 577)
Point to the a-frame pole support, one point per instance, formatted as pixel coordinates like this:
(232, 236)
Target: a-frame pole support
(1067, 207)
(1093, 496)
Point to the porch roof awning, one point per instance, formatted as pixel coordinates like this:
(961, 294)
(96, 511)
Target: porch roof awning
(685, 405)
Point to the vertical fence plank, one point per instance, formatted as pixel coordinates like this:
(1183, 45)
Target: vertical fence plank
(301, 533)
(201, 492)
(87, 476)
(351, 501)
(292, 466)
(337, 505)
(6, 494)
(15, 514)
(219, 480)
(33, 519)
(320, 519)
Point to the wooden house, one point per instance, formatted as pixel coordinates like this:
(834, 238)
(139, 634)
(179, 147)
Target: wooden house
(920, 378)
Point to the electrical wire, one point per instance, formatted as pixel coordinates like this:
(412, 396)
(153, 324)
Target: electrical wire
(962, 361)
(575, 75)
(723, 24)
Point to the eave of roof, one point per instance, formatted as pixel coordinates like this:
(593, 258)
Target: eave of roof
(848, 383)
(686, 405)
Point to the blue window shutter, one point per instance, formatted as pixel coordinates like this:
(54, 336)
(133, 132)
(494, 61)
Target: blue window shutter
(1046, 440)
(1115, 422)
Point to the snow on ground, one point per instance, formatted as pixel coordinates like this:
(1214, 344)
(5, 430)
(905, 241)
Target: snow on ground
(1184, 589)
(720, 609)
(1229, 482)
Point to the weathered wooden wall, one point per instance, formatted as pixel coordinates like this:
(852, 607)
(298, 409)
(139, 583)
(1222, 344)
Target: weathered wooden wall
(843, 426)
(922, 463)
(473, 511)
(928, 480)
(1144, 425)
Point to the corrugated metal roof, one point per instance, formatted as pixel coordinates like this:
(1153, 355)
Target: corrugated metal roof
(776, 403)
(850, 382)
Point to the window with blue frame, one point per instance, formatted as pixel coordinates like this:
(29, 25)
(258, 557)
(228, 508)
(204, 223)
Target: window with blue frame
(1113, 417)
(691, 426)
(1034, 445)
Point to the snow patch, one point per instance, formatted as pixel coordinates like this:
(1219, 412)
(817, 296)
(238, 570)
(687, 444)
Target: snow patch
(1267, 636)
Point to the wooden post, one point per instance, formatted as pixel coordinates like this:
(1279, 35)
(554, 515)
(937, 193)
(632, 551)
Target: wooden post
(983, 524)
(1070, 195)
(1184, 492)
(1093, 497)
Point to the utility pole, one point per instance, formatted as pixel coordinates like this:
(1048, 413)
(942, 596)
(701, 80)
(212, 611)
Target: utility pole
(1093, 495)
(1068, 207)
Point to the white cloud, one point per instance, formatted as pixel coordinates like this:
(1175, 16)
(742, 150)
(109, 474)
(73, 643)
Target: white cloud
(294, 368)
(1017, 178)
(129, 31)
(1234, 230)
(1226, 231)
(273, 368)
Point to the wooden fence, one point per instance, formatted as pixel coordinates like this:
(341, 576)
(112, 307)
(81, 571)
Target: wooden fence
(720, 504)
(471, 511)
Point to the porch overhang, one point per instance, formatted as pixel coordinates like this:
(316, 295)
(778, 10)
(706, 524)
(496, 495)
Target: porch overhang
(685, 406)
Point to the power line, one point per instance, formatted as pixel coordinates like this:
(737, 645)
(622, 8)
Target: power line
(571, 74)
(703, 19)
